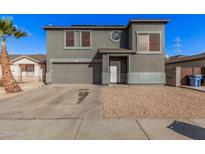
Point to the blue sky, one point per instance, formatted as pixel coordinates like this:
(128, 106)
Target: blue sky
(189, 28)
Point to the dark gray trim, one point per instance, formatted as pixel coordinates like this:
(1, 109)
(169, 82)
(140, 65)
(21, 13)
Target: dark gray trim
(105, 78)
(117, 51)
(75, 60)
(82, 28)
(163, 21)
(148, 21)
(48, 78)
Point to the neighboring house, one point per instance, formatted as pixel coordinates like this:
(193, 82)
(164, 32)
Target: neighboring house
(179, 67)
(103, 54)
(27, 67)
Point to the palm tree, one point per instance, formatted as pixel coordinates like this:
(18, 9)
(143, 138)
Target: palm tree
(8, 30)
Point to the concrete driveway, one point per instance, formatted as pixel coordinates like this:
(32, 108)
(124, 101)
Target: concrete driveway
(54, 101)
(75, 112)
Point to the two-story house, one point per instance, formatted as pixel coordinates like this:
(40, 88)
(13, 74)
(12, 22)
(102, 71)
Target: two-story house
(103, 54)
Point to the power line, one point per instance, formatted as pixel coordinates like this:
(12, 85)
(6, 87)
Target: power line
(177, 45)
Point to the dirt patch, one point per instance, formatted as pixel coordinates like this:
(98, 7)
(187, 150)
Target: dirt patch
(152, 102)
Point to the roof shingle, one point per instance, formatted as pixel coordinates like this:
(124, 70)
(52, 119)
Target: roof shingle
(177, 59)
(38, 57)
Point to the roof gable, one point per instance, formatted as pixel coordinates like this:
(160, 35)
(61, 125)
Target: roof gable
(38, 58)
(24, 57)
(185, 58)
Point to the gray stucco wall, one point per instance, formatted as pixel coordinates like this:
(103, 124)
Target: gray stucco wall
(146, 68)
(100, 39)
(151, 66)
(147, 63)
(146, 27)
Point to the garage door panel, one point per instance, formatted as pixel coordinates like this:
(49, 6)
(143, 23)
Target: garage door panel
(75, 73)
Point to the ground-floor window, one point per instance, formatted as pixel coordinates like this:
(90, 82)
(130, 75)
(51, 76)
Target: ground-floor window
(27, 69)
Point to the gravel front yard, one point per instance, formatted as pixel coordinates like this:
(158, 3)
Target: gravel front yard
(152, 101)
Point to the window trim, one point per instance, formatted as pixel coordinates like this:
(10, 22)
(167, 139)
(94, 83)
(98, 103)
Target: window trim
(115, 41)
(82, 41)
(149, 32)
(65, 38)
(75, 47)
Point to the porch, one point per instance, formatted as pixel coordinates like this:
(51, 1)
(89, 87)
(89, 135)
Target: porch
(27, 72)
(115, 65)
(121, 65)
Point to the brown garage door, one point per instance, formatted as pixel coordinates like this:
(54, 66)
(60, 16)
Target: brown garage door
(76, 73)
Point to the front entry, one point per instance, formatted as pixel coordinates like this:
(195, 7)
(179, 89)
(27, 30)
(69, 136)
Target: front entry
(118, 69)
(113, 74)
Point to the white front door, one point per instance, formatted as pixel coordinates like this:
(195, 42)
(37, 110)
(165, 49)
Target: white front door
(113, 74)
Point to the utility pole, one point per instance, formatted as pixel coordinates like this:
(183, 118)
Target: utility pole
(177, 45)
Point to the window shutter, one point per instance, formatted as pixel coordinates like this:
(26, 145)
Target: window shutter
(154, 42)
(69, 39)
(143, 42)
(85, 39)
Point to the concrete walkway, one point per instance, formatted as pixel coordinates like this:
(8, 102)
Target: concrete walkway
(201, 88)
(104, 129)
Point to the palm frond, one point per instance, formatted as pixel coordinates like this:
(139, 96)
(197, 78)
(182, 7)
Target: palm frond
(18, 33)
(6, 25)
(8, 29)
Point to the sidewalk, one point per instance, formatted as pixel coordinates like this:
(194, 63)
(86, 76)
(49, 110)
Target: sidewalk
(108, 129)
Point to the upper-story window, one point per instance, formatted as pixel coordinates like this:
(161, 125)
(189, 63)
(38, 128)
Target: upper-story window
(70, 39)
(85, 39)
(149, 42)
(115, 36)
(77, 39)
